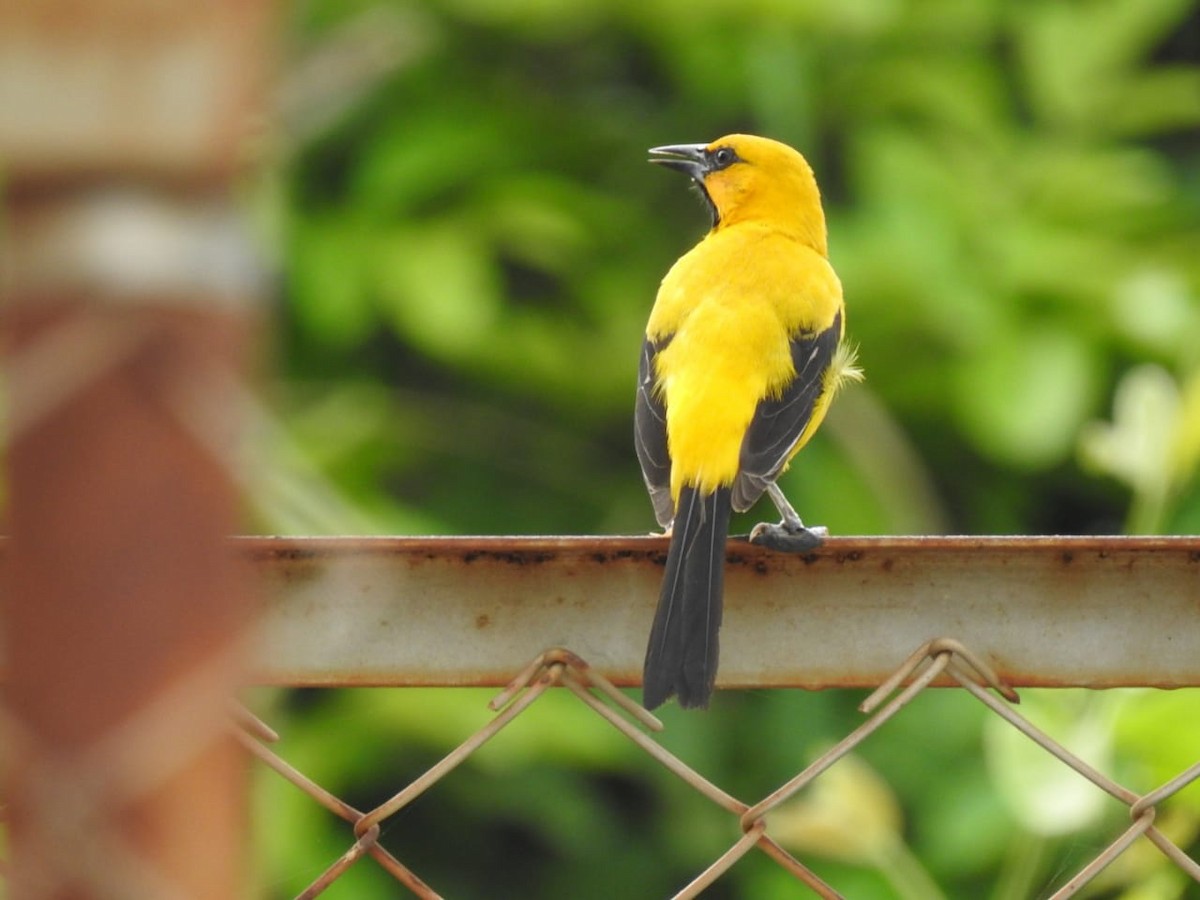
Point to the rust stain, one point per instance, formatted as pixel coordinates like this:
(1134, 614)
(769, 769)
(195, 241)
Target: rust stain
(514, 558)
(301, 570)
(760, 563)
(277, 550)
(483, 620)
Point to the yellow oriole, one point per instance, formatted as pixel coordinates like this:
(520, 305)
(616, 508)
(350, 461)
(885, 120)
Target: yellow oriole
(742, 355)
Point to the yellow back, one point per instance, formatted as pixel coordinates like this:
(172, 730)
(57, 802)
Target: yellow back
(731, 306)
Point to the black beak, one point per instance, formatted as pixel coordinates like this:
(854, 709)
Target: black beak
(690, 159)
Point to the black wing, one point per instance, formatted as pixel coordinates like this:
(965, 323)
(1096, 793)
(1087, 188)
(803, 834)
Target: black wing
(650, 436)
(779, 421)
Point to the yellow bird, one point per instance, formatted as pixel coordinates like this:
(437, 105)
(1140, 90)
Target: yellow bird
(742, 355)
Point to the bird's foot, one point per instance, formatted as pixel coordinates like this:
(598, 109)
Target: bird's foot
(787, 538)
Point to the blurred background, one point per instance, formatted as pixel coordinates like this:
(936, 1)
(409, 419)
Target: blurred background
(469, 240)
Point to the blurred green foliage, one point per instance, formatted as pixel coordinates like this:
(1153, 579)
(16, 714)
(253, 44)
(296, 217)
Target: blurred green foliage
(470, 243)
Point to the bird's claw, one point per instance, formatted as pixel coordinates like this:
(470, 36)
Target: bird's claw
(788, 540)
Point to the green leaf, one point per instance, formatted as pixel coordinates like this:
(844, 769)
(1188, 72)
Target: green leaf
(1048, 797)
(1023, 398)
(327, 285)
(439, 287)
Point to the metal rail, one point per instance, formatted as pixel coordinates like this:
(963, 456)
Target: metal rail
(1043, 611)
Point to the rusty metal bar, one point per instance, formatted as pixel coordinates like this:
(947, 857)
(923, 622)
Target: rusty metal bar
(1042, 611)
(127, 313)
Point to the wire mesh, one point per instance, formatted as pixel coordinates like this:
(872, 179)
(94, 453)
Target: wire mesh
(562, 668)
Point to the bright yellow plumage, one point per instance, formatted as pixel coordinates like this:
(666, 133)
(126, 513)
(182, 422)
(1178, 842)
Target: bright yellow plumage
(742, 356)
(730, 325)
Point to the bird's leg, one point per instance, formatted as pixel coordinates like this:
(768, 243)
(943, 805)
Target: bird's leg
(791, 520)
(790, 536)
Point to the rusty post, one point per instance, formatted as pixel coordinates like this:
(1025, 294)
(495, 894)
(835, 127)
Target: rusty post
(126, 318)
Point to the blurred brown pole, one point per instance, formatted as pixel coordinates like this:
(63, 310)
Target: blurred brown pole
(127, 311)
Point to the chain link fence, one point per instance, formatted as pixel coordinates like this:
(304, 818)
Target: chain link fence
(562, 668)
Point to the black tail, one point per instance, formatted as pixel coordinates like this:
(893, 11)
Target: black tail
(682, 656)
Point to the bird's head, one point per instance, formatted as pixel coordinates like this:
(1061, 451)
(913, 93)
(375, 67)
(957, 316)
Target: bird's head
(747, 178)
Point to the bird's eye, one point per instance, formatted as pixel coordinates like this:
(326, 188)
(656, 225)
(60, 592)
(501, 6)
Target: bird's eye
(724, 156)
